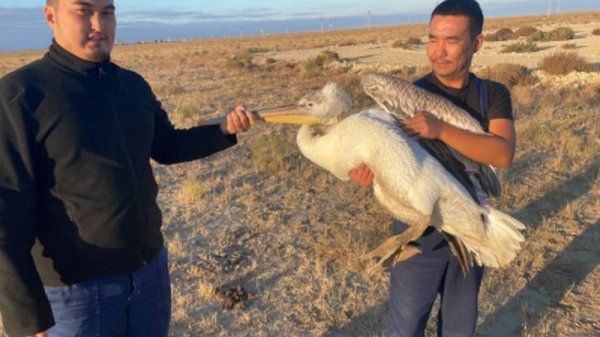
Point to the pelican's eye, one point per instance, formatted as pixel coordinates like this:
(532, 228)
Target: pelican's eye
(310, 104)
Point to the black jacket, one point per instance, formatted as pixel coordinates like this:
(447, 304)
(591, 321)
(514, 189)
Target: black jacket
(77, 192)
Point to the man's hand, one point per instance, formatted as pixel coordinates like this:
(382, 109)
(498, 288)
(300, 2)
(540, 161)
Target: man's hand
(423, 125)
(362, 175)
(239, 120)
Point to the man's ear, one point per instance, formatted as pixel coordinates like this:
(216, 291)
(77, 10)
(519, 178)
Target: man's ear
(478, 42)
(49, 15)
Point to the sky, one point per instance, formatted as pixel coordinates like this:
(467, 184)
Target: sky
(22, 24)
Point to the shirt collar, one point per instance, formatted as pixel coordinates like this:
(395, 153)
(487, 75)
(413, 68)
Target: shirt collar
(72, 63)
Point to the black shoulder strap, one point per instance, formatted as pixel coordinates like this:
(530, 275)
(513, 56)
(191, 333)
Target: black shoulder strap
(482, 96)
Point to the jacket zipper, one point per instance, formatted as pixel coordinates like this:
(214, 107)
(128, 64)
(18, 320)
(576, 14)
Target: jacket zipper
(113, 110)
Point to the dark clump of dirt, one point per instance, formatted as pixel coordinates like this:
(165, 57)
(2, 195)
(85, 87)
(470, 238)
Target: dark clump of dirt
(232, 297)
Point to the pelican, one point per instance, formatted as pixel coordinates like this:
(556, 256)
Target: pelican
(409, 182)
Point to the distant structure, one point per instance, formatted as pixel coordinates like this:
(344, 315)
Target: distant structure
(368, 22)
(322, 28)
(331, 27)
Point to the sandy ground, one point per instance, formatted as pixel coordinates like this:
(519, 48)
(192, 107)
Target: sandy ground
(384, 55)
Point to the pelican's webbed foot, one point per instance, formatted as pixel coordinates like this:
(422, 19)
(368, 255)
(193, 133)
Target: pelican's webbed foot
(396, 249)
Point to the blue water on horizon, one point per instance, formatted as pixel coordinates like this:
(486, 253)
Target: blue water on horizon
(37, 35)
(25, 28)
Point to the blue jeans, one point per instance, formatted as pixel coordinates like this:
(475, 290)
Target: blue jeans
(132, 304)
(416, 282)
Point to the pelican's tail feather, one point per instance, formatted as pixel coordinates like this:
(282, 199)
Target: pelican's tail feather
(502, 241)
(490, 181)
(465, 258)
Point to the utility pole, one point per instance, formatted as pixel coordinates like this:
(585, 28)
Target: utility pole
(321, 19)
(549, 8)
(557, 6)
(287, 27)
(331, 27)
(369, 19)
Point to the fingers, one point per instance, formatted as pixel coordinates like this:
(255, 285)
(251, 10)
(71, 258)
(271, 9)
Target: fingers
(422, 125)
(362, 175)
(240, 120)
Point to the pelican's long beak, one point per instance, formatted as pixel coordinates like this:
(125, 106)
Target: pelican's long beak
(289, 114)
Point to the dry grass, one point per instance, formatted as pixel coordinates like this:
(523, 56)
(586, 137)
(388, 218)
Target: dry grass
(261, 215)
(564, 62)
(520, 47)
(525, 31)
(408, 44)
(557, 34)
(507, 74)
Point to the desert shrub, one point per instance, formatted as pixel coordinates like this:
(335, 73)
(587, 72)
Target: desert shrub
(564, 63)
(501, 34)
(506, 73)
(504, 34)
(410, 43)
(525, 31)
(284, 67)
(255, 50)
(327, 56)
(347, 43)
(525, 96)
(312, 68)
(492, 37)
(168, 89)
(596, 31)
(591, 93)
(414, 41)
(569, 46)
(185, 110)
(191, 191)
(399, 44)
(272, 152)
(241, 61)
(520, 47)
(315, 65)
(558, 34)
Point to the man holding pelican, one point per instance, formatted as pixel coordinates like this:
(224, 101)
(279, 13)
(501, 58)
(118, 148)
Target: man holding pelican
(455, 35)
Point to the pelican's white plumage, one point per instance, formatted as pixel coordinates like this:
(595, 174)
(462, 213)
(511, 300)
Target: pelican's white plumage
(413, 186)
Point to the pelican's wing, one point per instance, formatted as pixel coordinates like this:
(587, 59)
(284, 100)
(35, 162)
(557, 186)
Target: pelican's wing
(402, 99)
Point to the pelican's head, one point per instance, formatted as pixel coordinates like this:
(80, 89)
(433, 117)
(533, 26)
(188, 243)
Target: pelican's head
(330, 104)
(324, 107)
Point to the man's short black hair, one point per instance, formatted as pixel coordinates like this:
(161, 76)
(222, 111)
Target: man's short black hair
(468, 8)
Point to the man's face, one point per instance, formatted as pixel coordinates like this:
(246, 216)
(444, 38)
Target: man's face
(85, 28)
(451, 47)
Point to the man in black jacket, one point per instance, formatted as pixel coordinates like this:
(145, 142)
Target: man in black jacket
(80, 242)
(455, 35)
